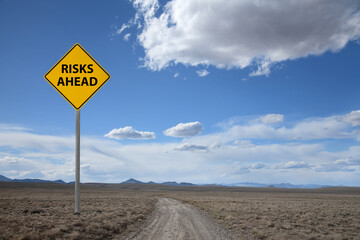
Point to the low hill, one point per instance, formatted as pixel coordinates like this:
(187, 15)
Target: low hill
(30, 180)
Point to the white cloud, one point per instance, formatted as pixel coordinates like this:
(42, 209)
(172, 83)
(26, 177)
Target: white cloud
(320, 128)
(210, 158)
(202, 73)
(262, 69)
(353, 118)
(123, 27)
(127, 36)
(12, 127)
(244, 143)
(176, 75)
(23, 167)
(271, 118)
(184, 130)
(239, 34)
(348, 161)
(22, 139)
(258, 165)
(293, 164)
(31, 155)
(191, 147)
(333, 127)
(129, 133)
(334, 168)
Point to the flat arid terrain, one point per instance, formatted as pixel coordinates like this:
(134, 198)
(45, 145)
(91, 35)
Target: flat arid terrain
(150, 211)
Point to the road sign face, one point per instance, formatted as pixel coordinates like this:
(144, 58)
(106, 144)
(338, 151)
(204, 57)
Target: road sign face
(77, 76)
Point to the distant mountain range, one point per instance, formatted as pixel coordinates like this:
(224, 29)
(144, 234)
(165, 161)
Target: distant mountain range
(131, 180)
(5, 179)
(134, 181)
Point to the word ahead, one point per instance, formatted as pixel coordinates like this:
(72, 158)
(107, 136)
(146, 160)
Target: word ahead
(75, 81)
(77, 76)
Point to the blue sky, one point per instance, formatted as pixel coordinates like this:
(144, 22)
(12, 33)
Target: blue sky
(200, 91)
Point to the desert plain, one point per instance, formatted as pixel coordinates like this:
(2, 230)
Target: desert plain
(118, 211)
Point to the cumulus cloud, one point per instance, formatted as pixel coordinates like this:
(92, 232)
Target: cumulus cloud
(191, 147)
(258, 165)
(28, 154)
(293, 164)
(353, 118)
(129, 133)
(202, 73)
(239, 34)
(184, 130)
(271, 118)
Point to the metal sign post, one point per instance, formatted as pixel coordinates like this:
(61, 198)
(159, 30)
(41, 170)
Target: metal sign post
(77, 163)
(77, 76)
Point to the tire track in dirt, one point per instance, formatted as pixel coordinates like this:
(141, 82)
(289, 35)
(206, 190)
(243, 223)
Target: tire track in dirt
(175, 220)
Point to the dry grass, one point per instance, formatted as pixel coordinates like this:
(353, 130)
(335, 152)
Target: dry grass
(45, 211)
(283, 214)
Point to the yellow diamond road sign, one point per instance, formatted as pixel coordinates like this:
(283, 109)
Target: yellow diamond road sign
(77, 76)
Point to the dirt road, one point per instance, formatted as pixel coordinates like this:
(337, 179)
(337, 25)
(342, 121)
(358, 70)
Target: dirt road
(175, 220)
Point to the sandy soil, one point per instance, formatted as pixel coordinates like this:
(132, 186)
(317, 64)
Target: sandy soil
(174, 220)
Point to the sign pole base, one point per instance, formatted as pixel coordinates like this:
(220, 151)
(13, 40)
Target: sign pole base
(77, 163)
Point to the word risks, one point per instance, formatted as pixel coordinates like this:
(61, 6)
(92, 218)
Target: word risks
(77, 81)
